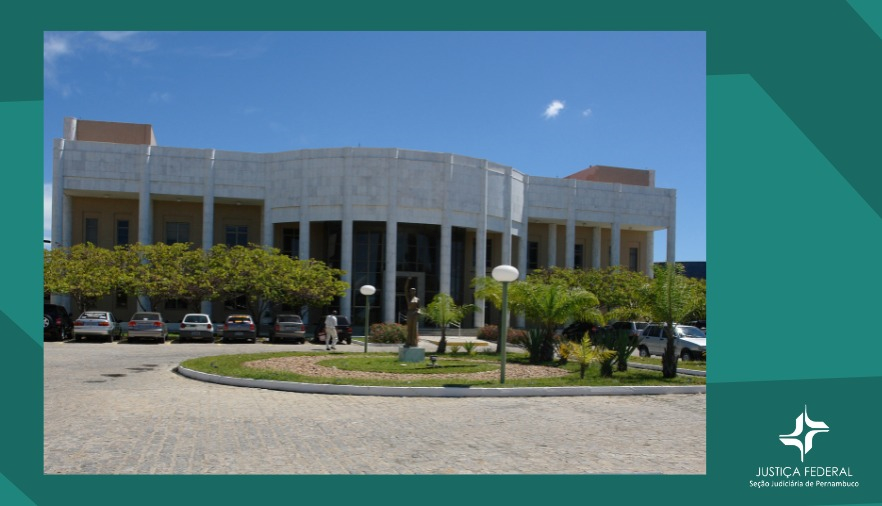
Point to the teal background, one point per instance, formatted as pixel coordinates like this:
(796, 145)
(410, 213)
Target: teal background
(794, 207)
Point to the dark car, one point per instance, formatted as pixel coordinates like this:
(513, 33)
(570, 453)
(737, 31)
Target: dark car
(239, 327)
(634, 328)
(576, 331)
(344, 330)
(57, 323)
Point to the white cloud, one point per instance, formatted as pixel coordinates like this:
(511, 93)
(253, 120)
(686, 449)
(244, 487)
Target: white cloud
(586, 113)
(115, 36)
(55, 46)
(157, 97)
(553, 109)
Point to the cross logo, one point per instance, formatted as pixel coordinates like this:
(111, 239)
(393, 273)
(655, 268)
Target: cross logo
(804, 443)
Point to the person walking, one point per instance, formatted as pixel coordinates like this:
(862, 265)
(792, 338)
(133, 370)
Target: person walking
(331, 331)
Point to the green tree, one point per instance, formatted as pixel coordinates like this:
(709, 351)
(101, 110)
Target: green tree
(84, 271)
(157, 272)
(444, 311)
(546, 302)
(586, 353)
(263, 276)
(671, 299)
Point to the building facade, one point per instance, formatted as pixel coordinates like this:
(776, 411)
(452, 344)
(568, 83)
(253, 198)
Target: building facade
(380, 215)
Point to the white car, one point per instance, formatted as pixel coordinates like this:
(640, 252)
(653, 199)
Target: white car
(690, 342)
(97, 324)
(196, 326)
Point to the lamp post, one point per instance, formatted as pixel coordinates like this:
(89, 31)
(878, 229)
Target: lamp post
(505, 274)
(367, 291)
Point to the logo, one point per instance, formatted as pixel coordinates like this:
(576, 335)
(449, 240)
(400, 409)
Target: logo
(797, 439)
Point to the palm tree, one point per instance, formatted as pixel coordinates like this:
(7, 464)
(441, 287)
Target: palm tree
(444, 311)
(670, 301)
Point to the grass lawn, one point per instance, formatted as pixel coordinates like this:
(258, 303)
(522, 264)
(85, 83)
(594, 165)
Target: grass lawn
(231, 365)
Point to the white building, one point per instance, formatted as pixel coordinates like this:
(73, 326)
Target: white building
(381, 215)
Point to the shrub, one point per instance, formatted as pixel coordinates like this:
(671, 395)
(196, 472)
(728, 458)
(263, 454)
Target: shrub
(469, 347)
(455, 349)
(491, 333)
(388, 333)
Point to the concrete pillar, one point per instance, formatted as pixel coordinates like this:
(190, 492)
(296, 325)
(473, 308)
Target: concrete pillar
(145, 204)
(615, 244)
(552, 244)
(595, 248)
(672, 229)
(346, 243)
(208, 213)
(390, 276)
(506, 218)
(446, 237)
(481, 246)
(648, 255)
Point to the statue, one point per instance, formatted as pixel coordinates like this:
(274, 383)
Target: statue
(413, 315)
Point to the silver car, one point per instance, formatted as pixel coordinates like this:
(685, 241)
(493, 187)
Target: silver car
(147, 325)
(288, 327)
(97, 324)
(690, 342)
(196, 326)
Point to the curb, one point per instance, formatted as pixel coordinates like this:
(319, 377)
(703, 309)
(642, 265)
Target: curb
(651, 367)
(324, 388)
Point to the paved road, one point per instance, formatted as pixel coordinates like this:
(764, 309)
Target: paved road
(120, 409)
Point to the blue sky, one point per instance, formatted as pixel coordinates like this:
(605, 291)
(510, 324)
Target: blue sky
(546, 103)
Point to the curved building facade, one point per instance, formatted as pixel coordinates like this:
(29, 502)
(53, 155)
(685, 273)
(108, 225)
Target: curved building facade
(380, 215)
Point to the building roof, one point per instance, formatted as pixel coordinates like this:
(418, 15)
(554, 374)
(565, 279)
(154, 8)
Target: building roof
(607, 174)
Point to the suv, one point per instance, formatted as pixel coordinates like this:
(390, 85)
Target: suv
(57, 323)
(690, 342)
(634, 328)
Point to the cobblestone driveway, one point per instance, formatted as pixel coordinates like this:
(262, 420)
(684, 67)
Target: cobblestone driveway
(120, 409)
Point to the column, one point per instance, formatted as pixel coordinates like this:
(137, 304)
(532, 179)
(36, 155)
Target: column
(145, 205)
(552, 245)
(648, 255)
(615, 244)
(506, 218)
(390, 275)
(145, 217)
(346, 243)
(672, 229)
(446, 237)
(208, 213)
(595, 248)
(481, 247)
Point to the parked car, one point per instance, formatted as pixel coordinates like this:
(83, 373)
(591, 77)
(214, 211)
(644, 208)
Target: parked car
(288, 327)
(196, 326)
(57, 323)
(576, 330)
(344, 330)
(634, 328)
(239, 327)
(147, 325)
(690, 342)
(97, 324)
(701, 324)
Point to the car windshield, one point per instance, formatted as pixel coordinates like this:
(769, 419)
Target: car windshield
(196, 319)
(687, 331)
(239, 319)
(93, 316)
(145, 316)
(289, 319)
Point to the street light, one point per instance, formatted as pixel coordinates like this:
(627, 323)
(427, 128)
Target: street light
(367, 291)
(505, 274)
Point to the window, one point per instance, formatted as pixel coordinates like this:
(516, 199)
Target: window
(578, 255)
(176, 232)
(291, 242)
(633, 259)
(236, 235)
(533, 255)
(90, 231)
(122, 232)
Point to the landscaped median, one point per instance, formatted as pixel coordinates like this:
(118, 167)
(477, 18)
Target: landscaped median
(457, 375)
